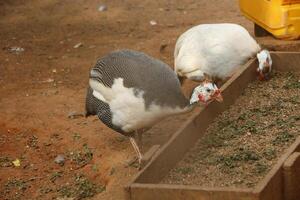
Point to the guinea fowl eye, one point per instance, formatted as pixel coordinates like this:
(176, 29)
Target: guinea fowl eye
(208, 90)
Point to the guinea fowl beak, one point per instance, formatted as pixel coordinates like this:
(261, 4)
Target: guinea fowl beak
(264, 73)
(218, 96)
(261, 76)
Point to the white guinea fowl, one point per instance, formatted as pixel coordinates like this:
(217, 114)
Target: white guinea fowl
(216, 51)
(130, 91)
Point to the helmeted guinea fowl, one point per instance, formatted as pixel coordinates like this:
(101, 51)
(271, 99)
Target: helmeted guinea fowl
(130, 91)
(216, 51)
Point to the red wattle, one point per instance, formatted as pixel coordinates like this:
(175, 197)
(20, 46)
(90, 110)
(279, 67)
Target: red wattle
(201, 98)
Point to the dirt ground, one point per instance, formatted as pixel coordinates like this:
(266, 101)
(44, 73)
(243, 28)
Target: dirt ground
(42, 85)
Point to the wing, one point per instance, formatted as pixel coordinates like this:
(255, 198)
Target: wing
(155, 79)
(94, 106)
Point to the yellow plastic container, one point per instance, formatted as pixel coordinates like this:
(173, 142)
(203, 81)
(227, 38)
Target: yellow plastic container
(281, 18)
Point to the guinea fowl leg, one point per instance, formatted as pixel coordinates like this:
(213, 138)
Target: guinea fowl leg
(137, 149)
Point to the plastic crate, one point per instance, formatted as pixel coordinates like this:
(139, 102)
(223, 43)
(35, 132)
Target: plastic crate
(281, 18)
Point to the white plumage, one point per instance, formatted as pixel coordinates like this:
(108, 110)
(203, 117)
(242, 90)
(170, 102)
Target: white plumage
(213, 49)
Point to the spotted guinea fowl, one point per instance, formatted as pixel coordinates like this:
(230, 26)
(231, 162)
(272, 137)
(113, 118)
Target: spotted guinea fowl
(130, 91)
(216, 51)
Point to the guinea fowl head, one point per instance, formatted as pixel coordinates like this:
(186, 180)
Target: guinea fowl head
(205, 93)
(265, 64)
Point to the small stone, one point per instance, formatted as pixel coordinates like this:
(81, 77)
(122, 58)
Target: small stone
(60, 159)
(102, 8)
(17, 163)
(16, 50)
(49, 80)
(47, 144)
(78, 45)
(153, 23)
(54, 70)
(74, 115)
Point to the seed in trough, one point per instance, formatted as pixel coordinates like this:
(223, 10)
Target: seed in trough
(245, 141)
(60, 159)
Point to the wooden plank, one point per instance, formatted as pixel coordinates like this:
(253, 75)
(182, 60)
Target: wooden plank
(286, 61)
(271, 187)
(291, 172)
(180, 192)
(149, 154)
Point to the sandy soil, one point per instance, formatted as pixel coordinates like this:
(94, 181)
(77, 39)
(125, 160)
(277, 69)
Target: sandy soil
(40, 86)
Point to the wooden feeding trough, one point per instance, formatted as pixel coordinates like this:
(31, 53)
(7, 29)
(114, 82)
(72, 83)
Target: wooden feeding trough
(281, 182)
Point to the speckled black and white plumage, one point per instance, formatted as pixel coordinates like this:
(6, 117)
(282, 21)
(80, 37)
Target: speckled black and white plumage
(97, 107)
(135, 91)
(140, 71)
